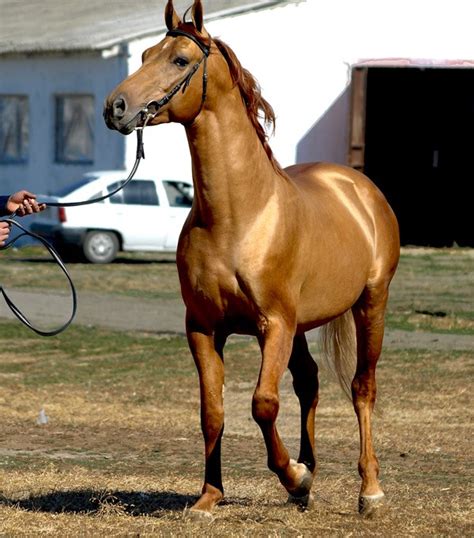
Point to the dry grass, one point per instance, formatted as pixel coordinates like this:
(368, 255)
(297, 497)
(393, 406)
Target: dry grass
(122, 452)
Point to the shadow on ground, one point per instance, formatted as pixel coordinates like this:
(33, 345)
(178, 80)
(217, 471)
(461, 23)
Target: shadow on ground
(95, 502)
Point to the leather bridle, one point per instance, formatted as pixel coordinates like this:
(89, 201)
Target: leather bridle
(184, 83)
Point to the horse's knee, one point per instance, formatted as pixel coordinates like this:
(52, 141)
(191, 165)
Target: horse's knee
(265, 407)
(212, 422)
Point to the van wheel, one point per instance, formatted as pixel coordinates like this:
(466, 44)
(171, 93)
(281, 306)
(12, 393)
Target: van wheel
(100, 246)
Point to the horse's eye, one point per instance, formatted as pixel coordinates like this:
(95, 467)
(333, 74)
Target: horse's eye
(180, 61)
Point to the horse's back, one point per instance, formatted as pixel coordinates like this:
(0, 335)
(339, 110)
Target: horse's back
(337, 186)
(339, 180)
(357, 217)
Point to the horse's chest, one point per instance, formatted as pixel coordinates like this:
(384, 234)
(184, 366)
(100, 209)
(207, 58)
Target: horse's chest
(214, 293)
(221, 271)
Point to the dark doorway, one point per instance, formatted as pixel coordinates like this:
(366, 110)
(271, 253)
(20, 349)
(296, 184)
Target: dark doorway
(419, 150)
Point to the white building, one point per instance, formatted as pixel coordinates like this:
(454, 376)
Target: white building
(385, 86)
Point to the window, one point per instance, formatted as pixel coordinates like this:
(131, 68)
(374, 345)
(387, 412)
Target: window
(13, 129)
(137, 192)
(179, 194)
(75, 129)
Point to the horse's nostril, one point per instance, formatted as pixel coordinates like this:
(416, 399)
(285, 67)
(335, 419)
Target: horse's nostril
(119, 106)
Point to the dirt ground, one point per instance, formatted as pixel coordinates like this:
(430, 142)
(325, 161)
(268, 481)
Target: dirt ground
(121, 452)
(167, 316)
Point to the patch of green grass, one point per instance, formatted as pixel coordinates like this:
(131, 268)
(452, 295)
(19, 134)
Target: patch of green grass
(137, 275)
(413, 321)
(433, 290)
(92, 356)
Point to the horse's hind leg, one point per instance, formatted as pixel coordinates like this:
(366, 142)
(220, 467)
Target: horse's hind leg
(305, 382)
(369, 314)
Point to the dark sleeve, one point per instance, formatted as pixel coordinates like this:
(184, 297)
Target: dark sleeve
(3, 204)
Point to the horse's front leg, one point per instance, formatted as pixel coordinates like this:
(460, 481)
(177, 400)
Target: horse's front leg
(208, 356)
(276, 342)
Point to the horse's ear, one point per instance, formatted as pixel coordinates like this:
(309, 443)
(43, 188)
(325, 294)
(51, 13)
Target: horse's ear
(171, 17)
(198, 15)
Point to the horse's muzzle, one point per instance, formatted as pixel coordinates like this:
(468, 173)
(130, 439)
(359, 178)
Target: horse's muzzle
(117, 115)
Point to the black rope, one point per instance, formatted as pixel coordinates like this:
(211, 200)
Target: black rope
(57, 258)
(146, 115)
(140, 155)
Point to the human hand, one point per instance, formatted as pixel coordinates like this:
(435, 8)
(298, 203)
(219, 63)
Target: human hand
(24, 203)
(4, 232)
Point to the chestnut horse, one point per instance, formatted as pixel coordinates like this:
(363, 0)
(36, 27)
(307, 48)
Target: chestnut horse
(265, 251)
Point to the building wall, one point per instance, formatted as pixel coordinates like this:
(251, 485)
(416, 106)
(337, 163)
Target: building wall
(302, 56)
(41, 78)
(300, 53)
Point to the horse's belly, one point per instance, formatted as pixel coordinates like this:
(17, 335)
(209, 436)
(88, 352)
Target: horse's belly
(318, 306)
(333, 288)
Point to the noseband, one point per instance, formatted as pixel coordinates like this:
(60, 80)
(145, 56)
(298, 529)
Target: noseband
(153, 107)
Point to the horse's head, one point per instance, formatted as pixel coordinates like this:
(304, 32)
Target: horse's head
(170, 85)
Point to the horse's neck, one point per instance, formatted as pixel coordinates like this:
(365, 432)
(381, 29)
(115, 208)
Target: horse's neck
(232, 174)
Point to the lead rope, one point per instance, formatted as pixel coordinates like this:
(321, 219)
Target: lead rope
(147, 115)
(139, 156)
(57, 258)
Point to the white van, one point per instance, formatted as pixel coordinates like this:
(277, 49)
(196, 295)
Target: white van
(147, 214)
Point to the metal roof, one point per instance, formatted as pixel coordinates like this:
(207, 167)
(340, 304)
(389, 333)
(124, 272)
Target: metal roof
(36, 26)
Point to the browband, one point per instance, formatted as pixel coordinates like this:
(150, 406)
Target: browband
(177, 33)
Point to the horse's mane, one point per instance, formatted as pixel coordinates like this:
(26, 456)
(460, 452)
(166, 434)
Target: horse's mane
(257, 107)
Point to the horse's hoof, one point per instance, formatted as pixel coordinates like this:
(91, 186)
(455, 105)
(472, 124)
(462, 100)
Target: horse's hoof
(371, 505)
(194, 514)
(303, 478)
(306, 502)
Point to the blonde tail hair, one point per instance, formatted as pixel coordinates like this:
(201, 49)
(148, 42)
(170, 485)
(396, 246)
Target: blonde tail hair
(339, 349)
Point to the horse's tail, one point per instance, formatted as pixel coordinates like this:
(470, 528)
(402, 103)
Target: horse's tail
(339, 349)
